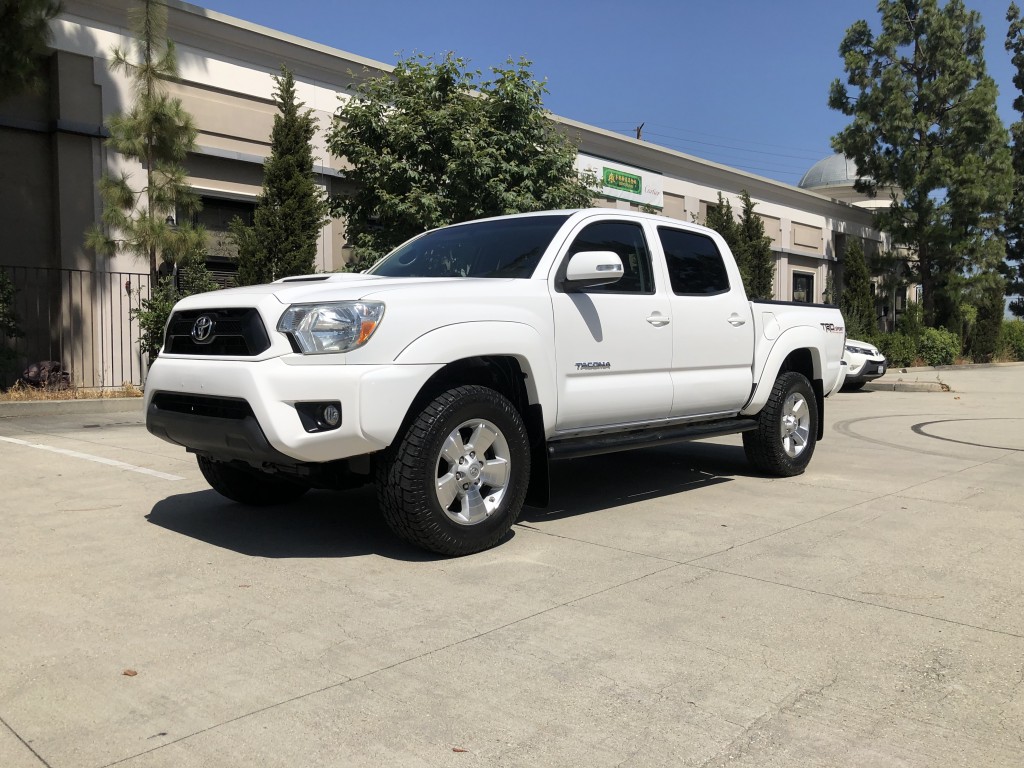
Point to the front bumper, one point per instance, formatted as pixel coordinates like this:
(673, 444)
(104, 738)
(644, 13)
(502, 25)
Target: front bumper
(868, 369)
(246, 410)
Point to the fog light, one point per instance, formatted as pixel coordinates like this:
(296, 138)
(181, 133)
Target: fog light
(331, 415)
(319, 416)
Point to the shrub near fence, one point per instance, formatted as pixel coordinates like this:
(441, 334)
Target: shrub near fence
(80, 319)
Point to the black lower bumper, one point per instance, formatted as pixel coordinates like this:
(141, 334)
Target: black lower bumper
(222, 428)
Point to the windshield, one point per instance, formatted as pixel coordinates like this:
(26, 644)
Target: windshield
(497, 248)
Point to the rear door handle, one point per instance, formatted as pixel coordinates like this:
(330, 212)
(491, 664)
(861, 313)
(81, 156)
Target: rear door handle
(736, 320)
(658, 319)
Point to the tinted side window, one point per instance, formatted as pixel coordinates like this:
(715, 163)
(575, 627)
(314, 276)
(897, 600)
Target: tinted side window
(694, 264)
(627, 240)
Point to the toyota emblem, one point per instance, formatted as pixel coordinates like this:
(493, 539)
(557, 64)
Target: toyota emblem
(202, 330)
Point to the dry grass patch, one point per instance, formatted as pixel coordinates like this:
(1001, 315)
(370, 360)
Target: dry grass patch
(20, 393)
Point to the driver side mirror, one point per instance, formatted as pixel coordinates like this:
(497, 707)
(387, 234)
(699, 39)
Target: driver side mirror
(588, 269)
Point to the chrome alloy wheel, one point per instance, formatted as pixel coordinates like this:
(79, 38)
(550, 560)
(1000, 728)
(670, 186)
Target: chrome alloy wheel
(795, 425)
(472, 472)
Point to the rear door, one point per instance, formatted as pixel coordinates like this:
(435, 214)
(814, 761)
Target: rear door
(712, 329)
(613, 343)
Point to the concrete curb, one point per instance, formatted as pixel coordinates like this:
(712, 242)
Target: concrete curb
(61, 407)
(965, 367)
(906, 386)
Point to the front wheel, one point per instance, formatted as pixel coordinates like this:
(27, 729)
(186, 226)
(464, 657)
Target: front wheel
(787, 428)
(456, 480)
(253, 488)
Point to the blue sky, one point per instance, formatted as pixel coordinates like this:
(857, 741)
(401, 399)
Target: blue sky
(740, 82)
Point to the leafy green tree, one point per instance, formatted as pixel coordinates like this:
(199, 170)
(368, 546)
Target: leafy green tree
(856, 300)
(157, 132)
(24, 36)
(924, 123)
(1014, 230)
(757, 262)
(190, 277)
(433, 144)
(292, 209)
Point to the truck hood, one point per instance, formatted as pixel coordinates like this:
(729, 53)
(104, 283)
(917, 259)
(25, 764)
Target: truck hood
(339, 287)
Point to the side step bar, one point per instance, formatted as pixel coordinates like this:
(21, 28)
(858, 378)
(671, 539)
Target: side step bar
(609, 442)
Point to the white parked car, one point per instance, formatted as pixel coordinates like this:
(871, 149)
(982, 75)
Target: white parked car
(864, 362)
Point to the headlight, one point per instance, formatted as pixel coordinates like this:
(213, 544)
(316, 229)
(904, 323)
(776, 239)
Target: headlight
(338, 326)
(862, 350)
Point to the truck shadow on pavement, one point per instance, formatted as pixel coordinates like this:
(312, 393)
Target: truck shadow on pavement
(326, 524)
(597, 483)
(321, 524)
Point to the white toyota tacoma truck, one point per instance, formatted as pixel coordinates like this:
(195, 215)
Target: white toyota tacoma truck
(455, 369)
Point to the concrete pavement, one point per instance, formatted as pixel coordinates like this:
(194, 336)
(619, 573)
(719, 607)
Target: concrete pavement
(671, 608)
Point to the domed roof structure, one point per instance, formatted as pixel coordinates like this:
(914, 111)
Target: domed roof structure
(834, 177)
(832, 171)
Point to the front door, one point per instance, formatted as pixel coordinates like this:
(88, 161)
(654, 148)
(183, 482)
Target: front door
(613, 343)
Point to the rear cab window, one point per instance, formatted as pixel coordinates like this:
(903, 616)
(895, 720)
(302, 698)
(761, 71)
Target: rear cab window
(695, 265)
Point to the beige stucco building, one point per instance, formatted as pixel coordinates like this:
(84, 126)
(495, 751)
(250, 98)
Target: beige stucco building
(75, 305)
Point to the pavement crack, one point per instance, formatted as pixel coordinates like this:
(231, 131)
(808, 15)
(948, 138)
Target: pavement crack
(847, 598)
(742, 743)
(24, 743)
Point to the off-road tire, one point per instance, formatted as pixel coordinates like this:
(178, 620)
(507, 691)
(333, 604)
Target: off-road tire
(253, 488)
(771, 446)
(411, 472)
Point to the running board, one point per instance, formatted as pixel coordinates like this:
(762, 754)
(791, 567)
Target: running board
(609, 442)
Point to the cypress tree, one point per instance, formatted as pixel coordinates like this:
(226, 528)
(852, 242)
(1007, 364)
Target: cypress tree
(750, 246)
(758, 261)
(855, 300)
(291, 210)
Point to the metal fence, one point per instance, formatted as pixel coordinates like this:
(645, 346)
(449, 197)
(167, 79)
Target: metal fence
(82, 320)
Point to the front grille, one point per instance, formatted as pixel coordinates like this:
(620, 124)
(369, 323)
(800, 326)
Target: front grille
(201, 405)
(233, 333)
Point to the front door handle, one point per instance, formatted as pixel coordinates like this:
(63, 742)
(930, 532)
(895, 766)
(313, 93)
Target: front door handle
(736, 320)
(658, 319)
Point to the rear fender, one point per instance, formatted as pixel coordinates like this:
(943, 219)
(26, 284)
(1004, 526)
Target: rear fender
(790, 341)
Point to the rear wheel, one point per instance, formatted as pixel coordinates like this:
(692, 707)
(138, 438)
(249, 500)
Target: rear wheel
(787, 428)
(456, 480)
(251, 487)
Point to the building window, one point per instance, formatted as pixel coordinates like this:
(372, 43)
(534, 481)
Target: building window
(840, 246)
(803, 287)
(215, 218)
(218, 212)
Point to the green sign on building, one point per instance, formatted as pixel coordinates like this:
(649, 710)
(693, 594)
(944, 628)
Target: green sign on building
(621, 180)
